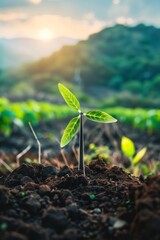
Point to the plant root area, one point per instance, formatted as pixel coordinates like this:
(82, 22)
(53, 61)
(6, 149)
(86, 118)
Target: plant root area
(40, 202)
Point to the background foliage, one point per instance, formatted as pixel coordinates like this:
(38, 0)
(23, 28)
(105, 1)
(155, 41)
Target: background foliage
(120, 64)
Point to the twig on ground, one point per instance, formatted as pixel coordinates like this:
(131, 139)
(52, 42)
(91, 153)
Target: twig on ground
(6, 165)
(38, 143)
(21, 154)
(64, 158)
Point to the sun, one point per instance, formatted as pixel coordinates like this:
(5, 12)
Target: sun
(45, 34)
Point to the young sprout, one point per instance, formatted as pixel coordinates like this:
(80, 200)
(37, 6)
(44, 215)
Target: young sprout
(76, 123)
(128, 149)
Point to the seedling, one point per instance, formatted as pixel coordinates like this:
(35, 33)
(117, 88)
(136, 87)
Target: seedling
(100, 152)
(128, 149)
(76, 123)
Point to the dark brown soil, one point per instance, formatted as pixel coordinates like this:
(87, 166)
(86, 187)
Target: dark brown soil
(45, 203)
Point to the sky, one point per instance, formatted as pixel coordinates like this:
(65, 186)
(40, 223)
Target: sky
(47, 19)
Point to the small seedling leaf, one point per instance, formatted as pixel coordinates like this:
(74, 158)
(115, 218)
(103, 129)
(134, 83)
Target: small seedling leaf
(139, 156)
(127, 147)
(70, 131)
(69, 97)
(99, 116)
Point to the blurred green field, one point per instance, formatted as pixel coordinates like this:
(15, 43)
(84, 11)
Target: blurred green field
(20, 113)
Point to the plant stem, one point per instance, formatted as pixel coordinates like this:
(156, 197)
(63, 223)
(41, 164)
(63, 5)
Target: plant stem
(81, 145)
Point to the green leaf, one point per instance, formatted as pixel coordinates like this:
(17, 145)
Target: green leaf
(99, 116)
(70, 131)
(127, 147)
(69, 97)
(145, 169)
(139, 156)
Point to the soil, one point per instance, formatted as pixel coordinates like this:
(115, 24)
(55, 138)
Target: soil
(40, 202)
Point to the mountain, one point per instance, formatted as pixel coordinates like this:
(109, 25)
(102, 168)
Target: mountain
(119, 62)
(26, 49)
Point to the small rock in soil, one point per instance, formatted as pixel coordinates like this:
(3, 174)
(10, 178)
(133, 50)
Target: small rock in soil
(96, 210)
(119, 224)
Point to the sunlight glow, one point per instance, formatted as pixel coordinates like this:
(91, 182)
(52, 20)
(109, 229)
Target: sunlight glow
(35, 1)
(116, 2)
(45, 34)
(48, 26)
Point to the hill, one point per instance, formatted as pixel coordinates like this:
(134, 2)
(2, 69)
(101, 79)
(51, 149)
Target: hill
(116, 60)
(27, 49)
